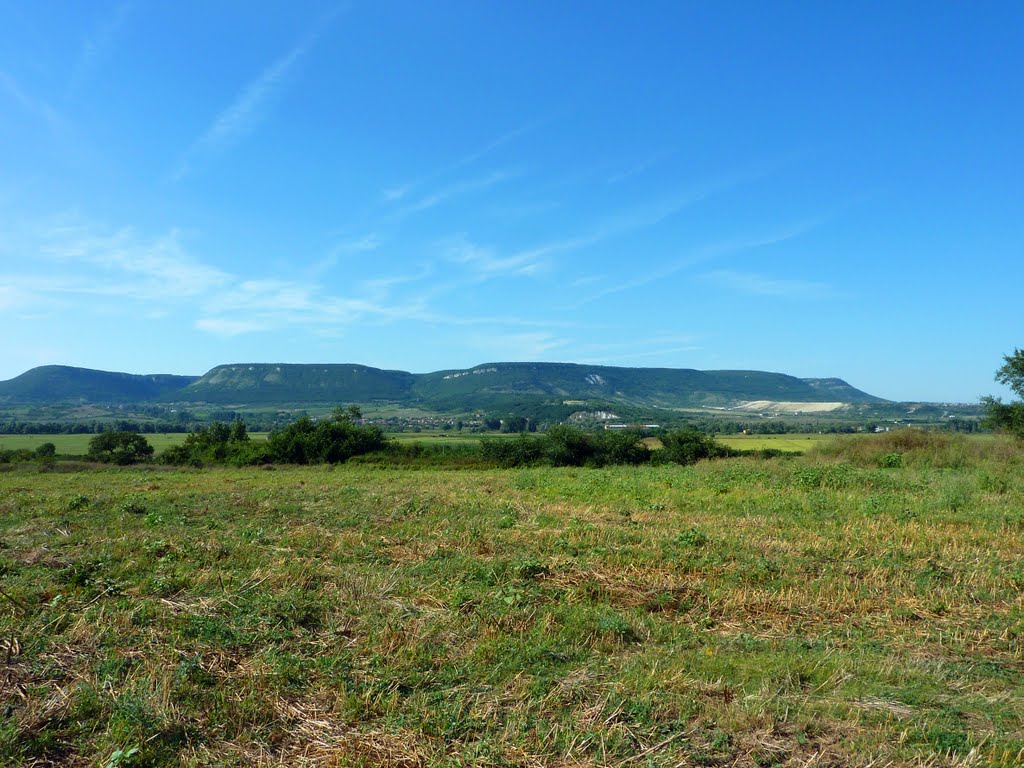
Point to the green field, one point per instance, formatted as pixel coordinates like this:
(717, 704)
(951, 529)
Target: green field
(790, 612)
(793, 443)
(448, 438)
(78, 445)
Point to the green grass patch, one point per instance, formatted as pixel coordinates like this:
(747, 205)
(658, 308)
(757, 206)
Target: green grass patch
(812, 611)
(78, 445)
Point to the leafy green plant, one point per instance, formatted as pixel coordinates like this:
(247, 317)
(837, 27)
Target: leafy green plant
(891, 460)
(122, 758)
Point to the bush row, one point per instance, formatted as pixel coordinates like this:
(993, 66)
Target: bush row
(563, 446)
(302, 442)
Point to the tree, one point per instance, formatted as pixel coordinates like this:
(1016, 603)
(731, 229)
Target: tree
(352, 414)
(514, 424)
(218, 443)
(239, 432)
(119, 448)
(1008, 417)
(1012, 372)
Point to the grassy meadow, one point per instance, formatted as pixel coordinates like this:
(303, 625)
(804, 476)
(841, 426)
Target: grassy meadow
(857, 606)
(78, 445)
(791, 443)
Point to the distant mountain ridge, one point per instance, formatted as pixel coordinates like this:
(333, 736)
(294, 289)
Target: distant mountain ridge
(267, 383)
(65, 383)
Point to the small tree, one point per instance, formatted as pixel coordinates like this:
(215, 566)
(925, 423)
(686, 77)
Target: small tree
(119, 448)
(1008, 417)
(239, 432)
(352, 414)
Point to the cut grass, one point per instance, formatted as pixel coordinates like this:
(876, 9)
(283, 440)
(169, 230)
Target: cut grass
(748, 613)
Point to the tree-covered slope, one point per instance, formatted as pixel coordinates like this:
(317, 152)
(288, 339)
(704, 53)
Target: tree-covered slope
(293, 383)
(481, 387)
(63, 383)
(839, 391)
(661, 387)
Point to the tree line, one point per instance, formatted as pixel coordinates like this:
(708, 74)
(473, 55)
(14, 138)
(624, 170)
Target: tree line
(342, 437)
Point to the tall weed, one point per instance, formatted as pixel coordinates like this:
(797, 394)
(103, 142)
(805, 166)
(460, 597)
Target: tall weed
(919, 449)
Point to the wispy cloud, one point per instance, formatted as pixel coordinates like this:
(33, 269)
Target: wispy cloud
(69, 261)
(39, 109)
(485, 261)
(269, 304)
(381, 287)
(364, 244)
(220, 326)
(348, 247)
(754, 284)
(456, 189)
(74, 261)
(398, 192)
(15, 295)
(249, 106)
(698, 255)
(516, 346)
(72, 264)
(95, 45)
(644, 348)
(638, 168)
(161, 265)
(625, 357)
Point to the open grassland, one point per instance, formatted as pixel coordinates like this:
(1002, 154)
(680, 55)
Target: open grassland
(819, 611)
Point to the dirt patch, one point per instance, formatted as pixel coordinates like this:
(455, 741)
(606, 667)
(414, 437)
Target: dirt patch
(779, 406)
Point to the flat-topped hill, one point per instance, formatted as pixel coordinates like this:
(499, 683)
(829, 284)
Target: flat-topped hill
(268, 383)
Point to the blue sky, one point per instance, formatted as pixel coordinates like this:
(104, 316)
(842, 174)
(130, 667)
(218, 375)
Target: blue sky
(822, 189)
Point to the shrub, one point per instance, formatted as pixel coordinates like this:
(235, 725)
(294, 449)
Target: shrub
(563, 446)
(16, 455)
(46, 451)
(621, 447)
(119, 448)
(522, 451)
(570, 447)
(688, 446)
(325, 442)
(892, 460)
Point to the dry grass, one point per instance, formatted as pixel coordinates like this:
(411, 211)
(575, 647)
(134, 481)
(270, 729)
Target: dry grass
(816, 612)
